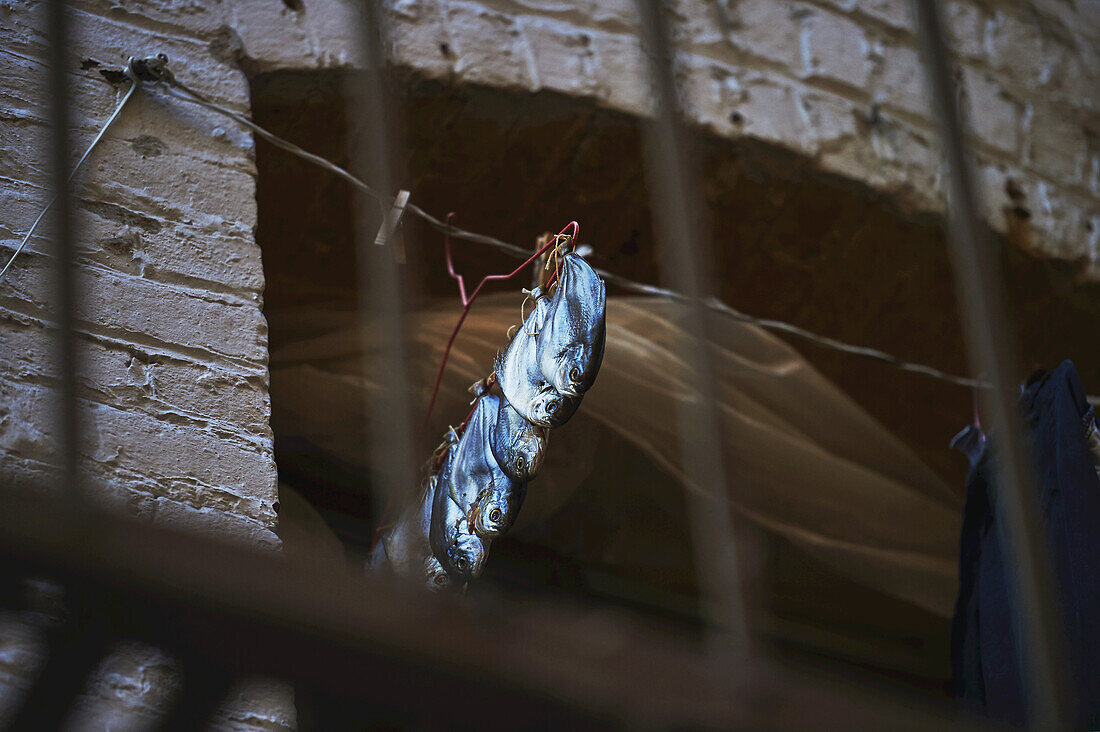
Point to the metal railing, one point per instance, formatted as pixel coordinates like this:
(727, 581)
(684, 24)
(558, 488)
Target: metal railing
(371, 647)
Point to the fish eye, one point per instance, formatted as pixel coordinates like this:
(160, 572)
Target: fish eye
(494, 515)
(441, 579)
(520, 462)
(574, 374)
(460, 562)
(552, 406)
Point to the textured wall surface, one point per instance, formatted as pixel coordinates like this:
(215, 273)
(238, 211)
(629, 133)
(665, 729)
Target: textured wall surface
(173, 341)
(173, 345)
(837, 80)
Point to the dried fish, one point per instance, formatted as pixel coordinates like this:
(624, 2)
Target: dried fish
(571, 338)
(521, 380)
(406, 549)
(499, 497)
(461, 552)
(518, 445)
(489, 498)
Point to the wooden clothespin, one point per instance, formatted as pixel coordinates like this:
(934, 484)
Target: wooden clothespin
(540, 275)
(389, 231)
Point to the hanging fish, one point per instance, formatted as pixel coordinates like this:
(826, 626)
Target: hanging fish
(406, 550)
(518, 445)
(458, 548)
(497, 497)
(572, 335)
(521, 380)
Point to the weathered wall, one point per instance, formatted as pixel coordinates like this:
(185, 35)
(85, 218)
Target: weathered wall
(173, 344)
(837, 80)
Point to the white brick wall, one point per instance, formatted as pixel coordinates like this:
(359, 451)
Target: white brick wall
(1031, 74)
(174, 347)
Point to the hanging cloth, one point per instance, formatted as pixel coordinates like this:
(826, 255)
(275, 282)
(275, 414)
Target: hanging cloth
(986, 662)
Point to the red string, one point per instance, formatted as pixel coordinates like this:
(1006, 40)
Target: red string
(467, 302)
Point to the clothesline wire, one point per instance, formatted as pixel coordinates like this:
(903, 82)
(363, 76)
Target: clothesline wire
(181, 91)
(614, 279)
(518, 251)
(102, 131)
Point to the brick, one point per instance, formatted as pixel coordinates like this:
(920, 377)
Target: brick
(902, 85)
(177, 318)
(965, 24)
(163, 178)
(195, 192)
(891, 157)
(695, 23)
(767, 29)
(195, 18)
(127, 377)
(129, 451)
(620, 16)
(768, 112)
(112, 42)
(565, 58)
(827, 118)
(1057, 219)
(490, 46)
(419, 37)
(275, 37)
(894, 13)
(834, 48)
(710, 93)
(1074, 85)
(1014, 46)
(1056, 147)
(626, 67)
(132, 243)
(263, 702)
(215, 525)
(991, 116)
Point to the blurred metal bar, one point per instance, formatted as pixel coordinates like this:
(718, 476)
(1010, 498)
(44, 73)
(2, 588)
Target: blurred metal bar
(990, 349)
(205, 688)
(393, 465)
(397, 651)
(676, 212)
(57, 24)
(72, 654)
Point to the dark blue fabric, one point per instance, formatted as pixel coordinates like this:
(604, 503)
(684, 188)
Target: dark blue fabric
(988, 669)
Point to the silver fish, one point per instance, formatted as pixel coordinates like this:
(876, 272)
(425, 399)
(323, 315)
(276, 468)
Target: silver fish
(461, 552)
(571, 339)
(521, 380)
(406, 550)
(518, 445)
(492, 499)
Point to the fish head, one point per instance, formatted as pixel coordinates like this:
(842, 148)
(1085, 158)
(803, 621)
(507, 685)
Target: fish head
(496, 509)
(572, 370)
(571, 341)
(549, 408)
(436, 577)
(466, 557)
(518, 445)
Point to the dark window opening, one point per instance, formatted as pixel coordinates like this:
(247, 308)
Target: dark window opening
(789, 242)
